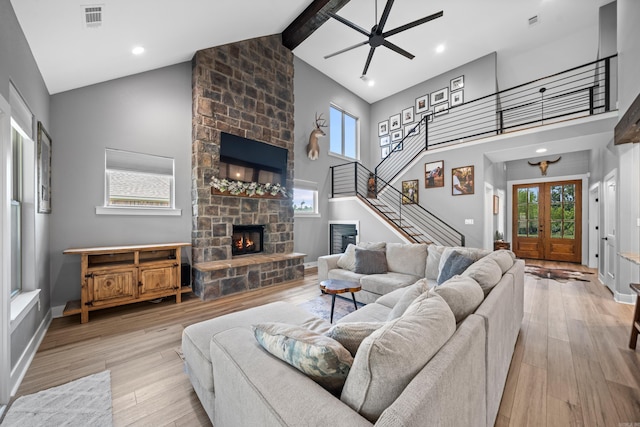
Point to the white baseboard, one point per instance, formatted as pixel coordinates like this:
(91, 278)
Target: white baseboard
(311, 264)
(19, 371)
(624, 298)
(56, 311)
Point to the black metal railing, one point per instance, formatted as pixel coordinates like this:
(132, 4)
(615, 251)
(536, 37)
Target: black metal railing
(577, 92)
(413, 220)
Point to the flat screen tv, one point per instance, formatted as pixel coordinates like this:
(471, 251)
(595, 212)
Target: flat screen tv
(247, 160)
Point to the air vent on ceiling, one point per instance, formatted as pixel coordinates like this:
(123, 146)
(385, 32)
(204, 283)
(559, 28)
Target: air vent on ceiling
(92, 16)
(534, 20)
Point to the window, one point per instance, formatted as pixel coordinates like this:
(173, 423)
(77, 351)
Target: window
(343, 133)
(136, 180)
(16, 212)
(305, 198)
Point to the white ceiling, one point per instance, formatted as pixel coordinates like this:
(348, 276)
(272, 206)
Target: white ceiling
(70, 56)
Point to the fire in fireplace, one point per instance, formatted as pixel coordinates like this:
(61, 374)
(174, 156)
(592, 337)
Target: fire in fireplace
(247, 239)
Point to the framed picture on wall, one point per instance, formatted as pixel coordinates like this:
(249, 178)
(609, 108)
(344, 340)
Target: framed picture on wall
(396, 135)
(434, 174)
(457, 97)
(462, 181)
(457, 83)
(411, 130)
(410, 192)
(422, 104)
(383, 128)
(440, 96)
(44, 170)
(384, 140)
(394, 122)
(441, 109)
(384, 151)
(407, 116)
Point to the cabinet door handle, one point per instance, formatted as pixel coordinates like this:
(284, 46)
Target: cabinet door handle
(139, 284)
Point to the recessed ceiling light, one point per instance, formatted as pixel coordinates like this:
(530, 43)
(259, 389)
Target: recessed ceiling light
(440, 48)
(138, 50)
(541, 150)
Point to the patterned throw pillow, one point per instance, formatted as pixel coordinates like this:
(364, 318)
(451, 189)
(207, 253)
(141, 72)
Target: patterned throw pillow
(455, 264)
(321, 358)
(351, 334)
(370, 262)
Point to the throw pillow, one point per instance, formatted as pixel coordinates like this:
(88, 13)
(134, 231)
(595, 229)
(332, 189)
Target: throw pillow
(407, 258)
(370, 262)
(412, 292)
(434, 253)
(486, 272)
(390, 357)
(462, 294)
(321, 358)
(348, 259)
(455, 264)
(350, 335)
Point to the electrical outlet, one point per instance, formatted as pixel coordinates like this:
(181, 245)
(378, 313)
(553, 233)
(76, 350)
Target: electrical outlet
(468, 221)
(638, 222)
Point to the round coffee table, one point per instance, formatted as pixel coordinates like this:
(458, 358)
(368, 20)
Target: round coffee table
(335, 287)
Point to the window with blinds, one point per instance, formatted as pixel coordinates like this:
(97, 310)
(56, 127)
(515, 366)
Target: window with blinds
(138, 180)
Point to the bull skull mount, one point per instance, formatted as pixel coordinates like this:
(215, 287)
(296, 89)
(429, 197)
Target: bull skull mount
(313, 148)
(544, 164)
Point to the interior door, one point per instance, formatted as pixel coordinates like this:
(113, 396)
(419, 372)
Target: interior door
(609, 244)
(547, 221)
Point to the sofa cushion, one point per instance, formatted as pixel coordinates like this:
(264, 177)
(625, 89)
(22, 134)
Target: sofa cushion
(462, 294)
(321, 358)
(407, 258)
(340, 274)
(381, 284)
(486, 272)
(455, 263)
(370, 261)
(504, 258)
(348, 260)
(351, 334)
(371, 312)
(390, 357)
(411, 293)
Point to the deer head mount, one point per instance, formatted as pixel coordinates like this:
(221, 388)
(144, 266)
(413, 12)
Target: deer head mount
(544, 164)
(313, 149)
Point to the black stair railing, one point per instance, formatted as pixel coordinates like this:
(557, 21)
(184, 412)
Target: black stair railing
(574, 93)
(413, 220)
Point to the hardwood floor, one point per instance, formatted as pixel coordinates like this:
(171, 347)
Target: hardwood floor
(571, 364)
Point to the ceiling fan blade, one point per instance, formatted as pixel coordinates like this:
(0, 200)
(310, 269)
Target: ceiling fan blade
(366, 65)
(349, 24)
(412, 24)
(346, 49)
(385, 15)
(397, 49)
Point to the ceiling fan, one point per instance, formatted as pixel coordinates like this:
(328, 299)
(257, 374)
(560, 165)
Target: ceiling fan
(377, 36)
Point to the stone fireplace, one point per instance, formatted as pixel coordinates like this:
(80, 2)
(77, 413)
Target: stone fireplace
(243, 89)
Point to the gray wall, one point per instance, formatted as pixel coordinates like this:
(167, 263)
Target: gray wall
(18, 65)
(147, 113)
(576, 163)
(314, 92)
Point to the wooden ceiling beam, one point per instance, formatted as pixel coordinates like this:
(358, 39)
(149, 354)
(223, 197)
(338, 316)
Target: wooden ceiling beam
(309, 20)
(628, 128)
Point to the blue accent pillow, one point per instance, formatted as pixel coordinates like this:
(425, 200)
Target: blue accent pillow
(456, 264)
(370, 262)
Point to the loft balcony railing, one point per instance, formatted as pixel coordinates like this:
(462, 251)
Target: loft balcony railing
(578, 92)
(415, 222)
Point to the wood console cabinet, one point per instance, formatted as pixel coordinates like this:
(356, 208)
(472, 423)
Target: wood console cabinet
(116, 275)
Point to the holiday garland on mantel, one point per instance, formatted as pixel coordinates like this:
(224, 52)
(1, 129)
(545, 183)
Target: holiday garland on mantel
(249, 189)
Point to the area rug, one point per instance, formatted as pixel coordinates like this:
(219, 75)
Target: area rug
(83, 402)
(320, 306)
(558, 274)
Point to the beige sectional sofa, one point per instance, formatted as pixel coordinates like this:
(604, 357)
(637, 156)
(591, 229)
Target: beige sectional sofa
(240, 383)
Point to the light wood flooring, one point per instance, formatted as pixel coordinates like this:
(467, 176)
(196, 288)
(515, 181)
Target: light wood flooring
(571, 364)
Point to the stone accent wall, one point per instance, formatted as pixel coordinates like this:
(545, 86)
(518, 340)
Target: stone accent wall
(244, 89)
